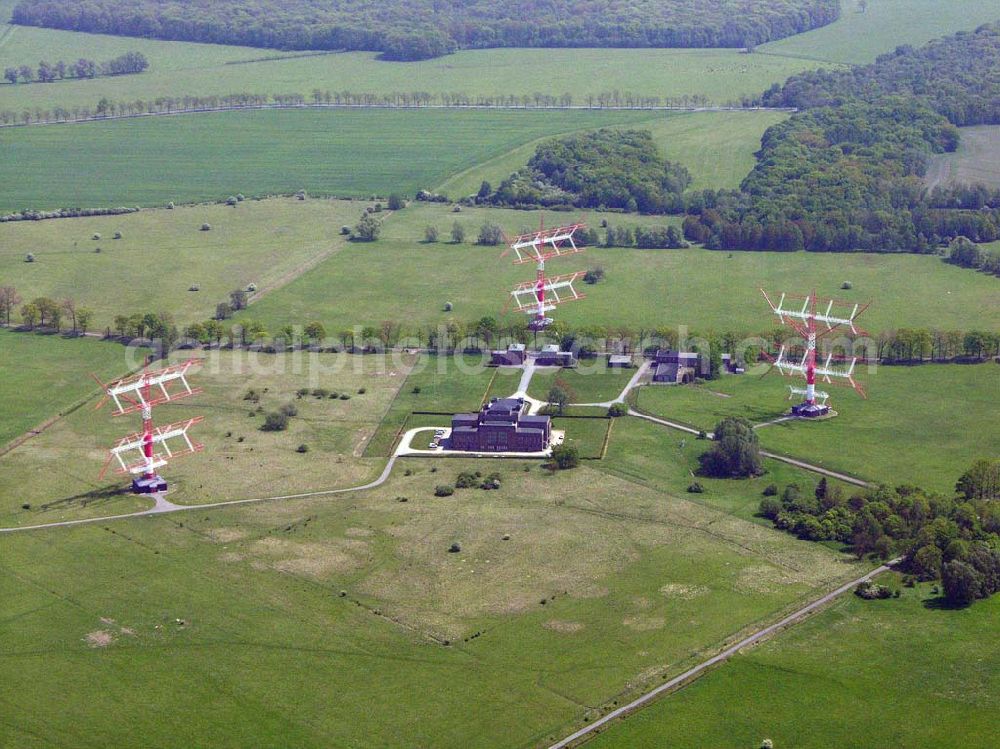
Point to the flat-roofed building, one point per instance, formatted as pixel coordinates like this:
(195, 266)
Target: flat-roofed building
(500, 426)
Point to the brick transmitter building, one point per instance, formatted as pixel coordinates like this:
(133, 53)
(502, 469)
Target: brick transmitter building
(501, 426)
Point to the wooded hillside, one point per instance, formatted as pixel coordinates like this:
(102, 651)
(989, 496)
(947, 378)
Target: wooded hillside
(427, 28)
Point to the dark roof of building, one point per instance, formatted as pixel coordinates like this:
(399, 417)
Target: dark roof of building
(666, 370)
(534, 419)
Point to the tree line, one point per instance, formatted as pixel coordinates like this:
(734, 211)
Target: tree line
(952, 538)
(846, 173)
(106, 107)
(45, 312)
(423, 29)
(902, 346)
(126, 64)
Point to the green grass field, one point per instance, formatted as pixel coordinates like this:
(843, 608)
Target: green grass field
(897, 673)
(858, 38)
(602, 587)
(365, 284)
(920, 425)
(181, 69)
(57, 471)
(212, 155)
(716, 147)
(41, 376)
(977, 160)
(293, 252)
(163, 253)
(590, 382)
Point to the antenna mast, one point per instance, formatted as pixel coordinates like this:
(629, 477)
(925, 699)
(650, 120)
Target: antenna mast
(813, 320)
(137, 453)
(542, 295)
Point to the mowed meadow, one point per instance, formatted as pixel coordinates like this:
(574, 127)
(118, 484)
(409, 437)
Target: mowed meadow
(703, 289)
(866, 30)
(905, 673)
(209, 156)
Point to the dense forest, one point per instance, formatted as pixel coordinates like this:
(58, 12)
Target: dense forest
(616, 169)
(428, 28)
(846, 173)
(957, 77)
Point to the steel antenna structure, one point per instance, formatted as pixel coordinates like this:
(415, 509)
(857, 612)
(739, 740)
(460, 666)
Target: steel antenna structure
(538, 297)
(140, 454)
(814, 319)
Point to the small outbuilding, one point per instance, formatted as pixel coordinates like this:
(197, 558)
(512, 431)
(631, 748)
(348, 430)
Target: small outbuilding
(551, 356)
(674, 367)
(620, 361)
(514, 356)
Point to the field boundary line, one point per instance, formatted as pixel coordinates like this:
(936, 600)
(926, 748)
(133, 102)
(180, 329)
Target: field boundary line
(401, 107)
(683, 679)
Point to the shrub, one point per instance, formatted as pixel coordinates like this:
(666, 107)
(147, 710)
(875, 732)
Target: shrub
(416, 390)
(617, 409)
(490, 234)
(302, 449)
(275, 421)
(345, 397)
(118, 235)
(26, 506)
(871, 591)
(231, 200)
(362, 391)
(96, 237)
(29, 258)
(466, 480)
(454, 548)
(345, 230)
(594, 275)
(847, 285)
(565, 456)
(320, 392)
(367, 229)
(97, 250)
(770, 507)
(289, 409)
(770, 490)
(170, 206)
(443, 490)
(457, 232)
(448, 307)
(456, 209)
(491, 482)
(396, 202)
(206, 227)
(696, 488)
(430, 234)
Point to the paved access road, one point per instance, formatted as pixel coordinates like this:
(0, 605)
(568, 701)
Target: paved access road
(691, 673)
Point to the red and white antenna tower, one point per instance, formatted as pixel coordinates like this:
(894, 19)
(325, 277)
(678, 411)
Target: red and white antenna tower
(542, 295)
(137, 453)
(814, 320)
